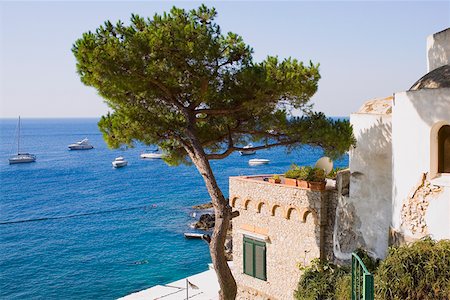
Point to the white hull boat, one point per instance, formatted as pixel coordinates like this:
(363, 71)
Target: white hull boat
(81, 145)
(151, 154)
(20, 158)
(119, 162)
(247, 152)
(258, 162)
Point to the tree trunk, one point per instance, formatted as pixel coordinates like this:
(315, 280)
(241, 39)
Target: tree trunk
(222, 210)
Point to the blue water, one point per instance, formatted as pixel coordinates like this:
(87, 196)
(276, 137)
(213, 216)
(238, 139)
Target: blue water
(72, 227)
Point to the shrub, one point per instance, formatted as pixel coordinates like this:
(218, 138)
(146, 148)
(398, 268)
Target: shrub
(316, 175)
(319, 281)
(417, 271)
(343, 288)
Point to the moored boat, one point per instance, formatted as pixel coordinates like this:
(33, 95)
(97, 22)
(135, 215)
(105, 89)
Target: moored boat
(151, 154)
(21, 157)
(119, 162)
(81, 145)
(258, 161)
(247, 152)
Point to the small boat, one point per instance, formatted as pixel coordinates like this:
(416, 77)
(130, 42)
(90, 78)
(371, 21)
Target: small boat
(152, 154)
(191, 235)
(258, 161)
(247, 152)
(21, 157)
(119, 162)
(81, 145)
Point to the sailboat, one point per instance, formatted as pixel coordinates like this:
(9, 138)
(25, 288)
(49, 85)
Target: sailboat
(21, 157)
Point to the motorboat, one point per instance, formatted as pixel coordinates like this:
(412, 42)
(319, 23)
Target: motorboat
(151, 154)
(21, 157)
(247, 152)
(258, 161)
(119, 162)
(81, 145)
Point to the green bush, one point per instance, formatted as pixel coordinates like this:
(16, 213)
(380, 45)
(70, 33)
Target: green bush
(418, 271)
(343, 288)
(318, 282)
(316, 175)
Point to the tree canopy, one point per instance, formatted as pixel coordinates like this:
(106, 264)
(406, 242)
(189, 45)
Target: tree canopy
(176, 81)
(177, 71)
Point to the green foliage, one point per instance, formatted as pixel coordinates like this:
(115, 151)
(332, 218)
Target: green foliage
(175, 79)
(318, 282)
(276, 177)
(418, 271)
(316, 175)
(327, 281)
(305, 173)
(343, 287)
(333, 173)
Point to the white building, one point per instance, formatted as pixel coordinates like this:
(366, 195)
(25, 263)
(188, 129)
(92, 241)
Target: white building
(400, 167)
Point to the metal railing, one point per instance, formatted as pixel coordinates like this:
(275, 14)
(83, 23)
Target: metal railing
(362, 280)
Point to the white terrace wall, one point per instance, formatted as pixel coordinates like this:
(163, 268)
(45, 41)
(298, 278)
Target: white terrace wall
(421, 203)
(290, 220)
(364, 216)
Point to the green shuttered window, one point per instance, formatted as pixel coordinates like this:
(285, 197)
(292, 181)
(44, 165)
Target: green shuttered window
(255, 258)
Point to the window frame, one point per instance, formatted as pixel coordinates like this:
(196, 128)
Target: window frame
(441, 154)
(254, 243)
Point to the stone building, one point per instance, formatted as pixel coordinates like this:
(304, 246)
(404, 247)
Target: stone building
(279, 229)
(396, 190)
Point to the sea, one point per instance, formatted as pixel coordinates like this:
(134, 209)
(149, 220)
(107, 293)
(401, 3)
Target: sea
(73, 227)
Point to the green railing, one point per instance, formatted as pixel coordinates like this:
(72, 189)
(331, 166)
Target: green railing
(362, 280)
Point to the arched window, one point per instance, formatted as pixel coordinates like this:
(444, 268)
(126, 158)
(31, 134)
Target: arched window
(444, 149)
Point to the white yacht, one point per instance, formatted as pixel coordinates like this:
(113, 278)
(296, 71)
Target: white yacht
(21, 157)
(81, 145)
(258, 161)
(119, 162)
(247, 152)
(151, 154)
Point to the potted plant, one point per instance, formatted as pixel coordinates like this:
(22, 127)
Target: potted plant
(316, 179)
(303, 177)
(275, 179)
(290, 177)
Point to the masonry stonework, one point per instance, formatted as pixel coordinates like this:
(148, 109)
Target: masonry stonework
(295, 225)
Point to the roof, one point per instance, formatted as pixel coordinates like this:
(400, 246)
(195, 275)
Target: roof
(438, 78)
(377, 106)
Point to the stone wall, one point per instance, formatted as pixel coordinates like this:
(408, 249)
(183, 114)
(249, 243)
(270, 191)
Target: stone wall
(293, 221)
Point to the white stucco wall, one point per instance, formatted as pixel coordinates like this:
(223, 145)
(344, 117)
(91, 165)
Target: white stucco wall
(370, 182)
(414, 114)
(438, 49)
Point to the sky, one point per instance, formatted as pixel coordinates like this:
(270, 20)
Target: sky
(365, 49)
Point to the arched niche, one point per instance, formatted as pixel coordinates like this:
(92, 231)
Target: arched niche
(260, 206)
(309, 212)
(247, 203)
(440, 149)
(233, 201)
(276, 210)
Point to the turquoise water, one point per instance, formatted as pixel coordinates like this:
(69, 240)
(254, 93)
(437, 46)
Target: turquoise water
(72, 227)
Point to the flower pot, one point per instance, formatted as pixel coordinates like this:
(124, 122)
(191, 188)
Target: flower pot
(317, 186)
(290, 181)
(273, 180)
(302, 183)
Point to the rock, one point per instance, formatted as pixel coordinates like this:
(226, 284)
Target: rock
(205, 222)
(203, 206)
